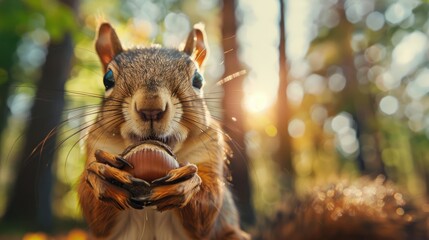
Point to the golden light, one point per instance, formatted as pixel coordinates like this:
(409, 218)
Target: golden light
(256, 102)
(259, 41)
(271, 130)
(35, 236)
(77, 234)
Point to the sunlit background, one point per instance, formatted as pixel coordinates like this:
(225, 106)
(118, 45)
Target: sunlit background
(357, 88)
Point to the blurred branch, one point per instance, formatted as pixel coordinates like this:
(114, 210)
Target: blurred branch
(284, 152)
(233, 113)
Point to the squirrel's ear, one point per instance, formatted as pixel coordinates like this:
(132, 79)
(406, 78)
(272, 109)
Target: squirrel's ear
(107, 44)
(196, 45)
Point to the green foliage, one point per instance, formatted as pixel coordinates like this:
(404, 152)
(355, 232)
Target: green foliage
(14, 17)
(379, 76)
(21, 16)
(58, 18)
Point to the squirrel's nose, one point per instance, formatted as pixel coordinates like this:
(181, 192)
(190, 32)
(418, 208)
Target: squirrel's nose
(150, 107)
(151, 114)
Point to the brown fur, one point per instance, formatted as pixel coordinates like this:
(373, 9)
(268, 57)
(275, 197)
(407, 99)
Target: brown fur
(157, 80)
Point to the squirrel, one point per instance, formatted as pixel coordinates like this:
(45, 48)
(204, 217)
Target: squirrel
(155, 93)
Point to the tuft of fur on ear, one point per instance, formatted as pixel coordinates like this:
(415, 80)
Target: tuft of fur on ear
(196, 45)
(107, 44)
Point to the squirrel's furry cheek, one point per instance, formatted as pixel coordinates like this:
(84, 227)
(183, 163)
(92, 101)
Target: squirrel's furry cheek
(177, 108)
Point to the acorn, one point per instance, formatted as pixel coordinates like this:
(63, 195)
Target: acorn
(150, 160)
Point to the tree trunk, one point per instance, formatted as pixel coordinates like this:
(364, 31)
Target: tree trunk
(284, 152)
(233, 118)
(358, 103)
(29, 204)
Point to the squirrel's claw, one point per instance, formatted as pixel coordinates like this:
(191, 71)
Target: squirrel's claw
(109, 192)
(142, 201)
(114, 175)
(111, 159)
(177, 175)
(176, 192)
(111, 184)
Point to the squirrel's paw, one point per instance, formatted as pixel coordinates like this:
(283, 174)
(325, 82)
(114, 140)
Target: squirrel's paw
(111, 184)
(176, 189)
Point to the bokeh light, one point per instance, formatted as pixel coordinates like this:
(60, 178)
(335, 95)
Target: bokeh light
(296, 128)
(389, 105)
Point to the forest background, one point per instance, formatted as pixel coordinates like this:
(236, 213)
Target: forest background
(309, 91)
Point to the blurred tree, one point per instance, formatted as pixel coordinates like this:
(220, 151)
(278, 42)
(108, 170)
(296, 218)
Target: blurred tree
(283, 111)
(29, 204)
(233, 113)
(12, 24)
(355, 98)
(358, 102)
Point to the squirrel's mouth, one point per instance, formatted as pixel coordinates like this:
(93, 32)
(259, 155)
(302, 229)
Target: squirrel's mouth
(171, 140)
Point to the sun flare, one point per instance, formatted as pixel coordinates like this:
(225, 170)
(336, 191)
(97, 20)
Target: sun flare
(256, 102)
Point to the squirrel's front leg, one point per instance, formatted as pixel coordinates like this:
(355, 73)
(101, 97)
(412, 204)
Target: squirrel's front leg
(105, 188)
(194, 191)
(211, 213)
(200, 215)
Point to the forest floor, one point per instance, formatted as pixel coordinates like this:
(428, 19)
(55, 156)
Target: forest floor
(74, 234)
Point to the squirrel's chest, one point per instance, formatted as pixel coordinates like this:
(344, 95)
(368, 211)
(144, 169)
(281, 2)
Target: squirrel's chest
(148, 224)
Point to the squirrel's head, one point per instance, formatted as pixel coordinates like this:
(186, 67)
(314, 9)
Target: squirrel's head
(154, 92)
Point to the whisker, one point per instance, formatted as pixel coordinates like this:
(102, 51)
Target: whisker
(40, 147)
(111, 123)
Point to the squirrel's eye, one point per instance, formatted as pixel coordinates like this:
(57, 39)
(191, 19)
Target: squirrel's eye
(197, 80)
(109, 79)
